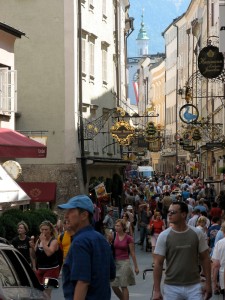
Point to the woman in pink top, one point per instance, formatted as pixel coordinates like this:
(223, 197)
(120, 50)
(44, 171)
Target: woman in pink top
(124, 246)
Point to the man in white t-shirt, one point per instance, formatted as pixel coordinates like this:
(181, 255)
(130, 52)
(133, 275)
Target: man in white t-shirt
(183, 247)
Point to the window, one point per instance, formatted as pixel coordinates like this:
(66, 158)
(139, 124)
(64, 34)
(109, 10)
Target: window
(104, 10)
(212, 14)
(8, 87)
(105, 46)
(104, 65)
(84, 54)
(7, 277)
(91, 57)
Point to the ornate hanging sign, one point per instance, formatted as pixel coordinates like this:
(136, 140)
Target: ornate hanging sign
(150, 129)
(210, 62)
(122, 132)
(189, 113)
(196, 135)
(189, 148)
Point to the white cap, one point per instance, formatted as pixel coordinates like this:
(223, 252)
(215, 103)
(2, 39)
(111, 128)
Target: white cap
(129, 207)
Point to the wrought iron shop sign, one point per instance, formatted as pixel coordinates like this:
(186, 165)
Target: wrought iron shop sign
(214, 145)
(188, 148)
(196, 135)
(150, 129)
(122, 132)
(189, 113)
(210, 62)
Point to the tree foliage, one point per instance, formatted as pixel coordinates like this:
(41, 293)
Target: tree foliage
(10, 218)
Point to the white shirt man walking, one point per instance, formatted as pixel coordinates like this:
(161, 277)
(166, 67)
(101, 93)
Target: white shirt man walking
(183, 247)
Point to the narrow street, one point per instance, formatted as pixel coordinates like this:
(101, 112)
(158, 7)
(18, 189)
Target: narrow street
(143, 288)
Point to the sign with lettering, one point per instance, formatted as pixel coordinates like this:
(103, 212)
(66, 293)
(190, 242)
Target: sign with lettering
(210, 62)
(122, 132)
(214, 145)
(188, 148)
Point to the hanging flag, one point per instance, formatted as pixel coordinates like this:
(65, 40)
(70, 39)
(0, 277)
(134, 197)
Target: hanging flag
(136, 87)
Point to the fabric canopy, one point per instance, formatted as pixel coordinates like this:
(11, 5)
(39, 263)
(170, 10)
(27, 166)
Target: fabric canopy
(16, 145)
(10, 191)
(40, 191)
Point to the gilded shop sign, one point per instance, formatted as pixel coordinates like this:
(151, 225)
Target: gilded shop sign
(123, 132)
(210, 62)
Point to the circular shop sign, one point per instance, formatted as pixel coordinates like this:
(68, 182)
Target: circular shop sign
(210, 62)
(188, 113)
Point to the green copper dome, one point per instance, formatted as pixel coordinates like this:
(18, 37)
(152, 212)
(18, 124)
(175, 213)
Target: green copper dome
(142, 35)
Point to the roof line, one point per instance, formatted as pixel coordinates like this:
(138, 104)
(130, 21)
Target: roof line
(11, 30)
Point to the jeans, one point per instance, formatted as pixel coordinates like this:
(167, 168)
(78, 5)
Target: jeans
(143, 232)
(183, 292)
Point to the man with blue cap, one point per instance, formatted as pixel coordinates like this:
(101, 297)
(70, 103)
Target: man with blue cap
(89, 265)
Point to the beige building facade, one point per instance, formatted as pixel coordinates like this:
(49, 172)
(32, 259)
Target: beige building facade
(198, 28)
(71, 73)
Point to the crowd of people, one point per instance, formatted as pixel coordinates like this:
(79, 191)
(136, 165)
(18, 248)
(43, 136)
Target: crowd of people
(177, 218)
(182, 219)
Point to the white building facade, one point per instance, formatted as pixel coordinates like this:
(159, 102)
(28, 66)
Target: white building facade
(71, 72)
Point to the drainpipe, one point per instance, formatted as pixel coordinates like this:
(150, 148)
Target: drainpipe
(117, 53)
(81, 128)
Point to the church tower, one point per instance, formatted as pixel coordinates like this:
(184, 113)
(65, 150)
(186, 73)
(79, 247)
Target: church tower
(142, 39)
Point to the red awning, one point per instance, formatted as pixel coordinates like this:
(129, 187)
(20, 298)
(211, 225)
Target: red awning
(16, 145)
(39, 191)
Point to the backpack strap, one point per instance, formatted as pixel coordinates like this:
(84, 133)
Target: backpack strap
(61, 237)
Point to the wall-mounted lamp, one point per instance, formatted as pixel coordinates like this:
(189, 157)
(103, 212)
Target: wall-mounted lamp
(129, 26)
(187, 92)
(180, 91)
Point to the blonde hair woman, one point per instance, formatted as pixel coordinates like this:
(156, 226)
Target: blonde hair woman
(201, 224)
(123, 246)
(46, 250)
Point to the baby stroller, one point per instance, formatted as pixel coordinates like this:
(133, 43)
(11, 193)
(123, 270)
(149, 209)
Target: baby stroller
(144, 276)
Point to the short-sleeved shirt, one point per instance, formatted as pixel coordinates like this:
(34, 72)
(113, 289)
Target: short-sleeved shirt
(23, 246)
(219, 254)
(212, 232)
(64, 241)
(121, 247)
(108, 222)
(181, 250)
(158, 225)
(89, 259)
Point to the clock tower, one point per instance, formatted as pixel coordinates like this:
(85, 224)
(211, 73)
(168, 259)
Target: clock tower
(142, 39)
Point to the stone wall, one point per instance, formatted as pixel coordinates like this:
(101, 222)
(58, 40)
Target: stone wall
(67, 177)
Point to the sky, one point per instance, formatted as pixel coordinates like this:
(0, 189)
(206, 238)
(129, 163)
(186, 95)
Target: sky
(158, 14)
